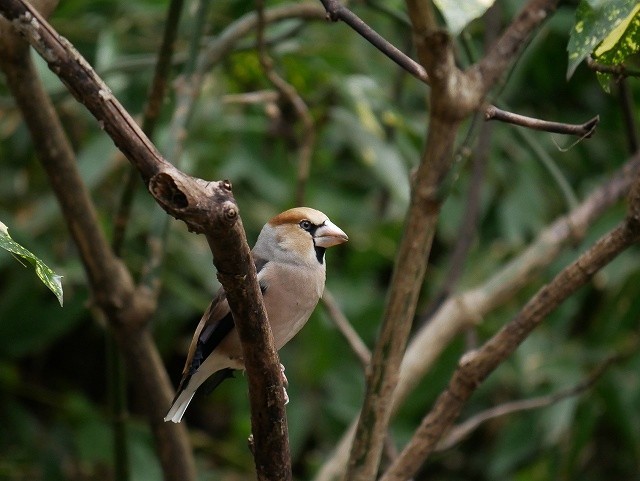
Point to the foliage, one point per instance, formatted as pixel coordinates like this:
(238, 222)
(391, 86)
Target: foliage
(602, 24)
(370, 121)
(458, 14)
(46, 275)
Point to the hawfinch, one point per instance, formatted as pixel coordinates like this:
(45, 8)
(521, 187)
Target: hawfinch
(289, 259)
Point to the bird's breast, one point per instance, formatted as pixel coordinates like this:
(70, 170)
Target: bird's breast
(289, 299)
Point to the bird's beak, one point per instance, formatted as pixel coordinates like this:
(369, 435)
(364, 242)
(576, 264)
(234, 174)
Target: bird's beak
(329, 234)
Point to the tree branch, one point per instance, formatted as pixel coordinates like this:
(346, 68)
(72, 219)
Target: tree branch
(454, 96)
(113, 291)
(584, 130)
(149, 118)
(336, 11)
(512, 41)
(409, 270)
(206, 207)
(475, 366)
(461, 431)
(356, 343)
(307, 141)
(619, 71)
(455, 314)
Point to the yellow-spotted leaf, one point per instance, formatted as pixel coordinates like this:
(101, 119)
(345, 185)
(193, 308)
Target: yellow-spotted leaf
(596, 20)
(622, 42)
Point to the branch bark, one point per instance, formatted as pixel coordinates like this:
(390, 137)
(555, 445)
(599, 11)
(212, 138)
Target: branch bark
(584, 130)
(475, 366)
(207, 208)
(113, 291)
(454, 95)
(461, 431)
(456, 314)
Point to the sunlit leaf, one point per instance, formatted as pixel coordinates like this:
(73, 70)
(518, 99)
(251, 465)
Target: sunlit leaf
(46, 275)
(595, 21)
(622, 42)
(459, 14)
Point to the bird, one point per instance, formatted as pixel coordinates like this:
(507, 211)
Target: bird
(289, 256)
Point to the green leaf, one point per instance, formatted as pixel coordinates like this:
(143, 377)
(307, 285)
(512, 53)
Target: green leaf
(46, 275)
(459, 14)
(620, 44)
(595, 20)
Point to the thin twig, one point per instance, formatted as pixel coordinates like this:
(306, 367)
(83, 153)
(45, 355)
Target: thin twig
(570, 198)
(307, 140)
(458, 433)
(619, 71)
(346, 329)
(470, 307)
(585, 130)
(336, 11)
(259, 97)
(475, 366)
(512, 37)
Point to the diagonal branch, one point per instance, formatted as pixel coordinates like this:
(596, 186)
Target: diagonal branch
(475, 366)
(206, 207)
(498, 58)
(468, 308)
(336, 11)
(356, 343)
(461, 431)
(454, 96)
(113, 292)
(511, 39)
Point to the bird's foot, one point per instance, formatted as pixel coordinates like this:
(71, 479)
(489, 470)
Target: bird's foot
(285, 383)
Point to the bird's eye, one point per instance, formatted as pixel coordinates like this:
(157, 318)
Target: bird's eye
(306, 225)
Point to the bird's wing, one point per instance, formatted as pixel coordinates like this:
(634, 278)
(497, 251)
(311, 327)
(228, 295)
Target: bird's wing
(216, 323)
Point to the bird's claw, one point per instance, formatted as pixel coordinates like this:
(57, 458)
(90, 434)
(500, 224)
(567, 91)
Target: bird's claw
(285, 383)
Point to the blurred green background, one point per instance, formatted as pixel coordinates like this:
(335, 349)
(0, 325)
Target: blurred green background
(371, 123)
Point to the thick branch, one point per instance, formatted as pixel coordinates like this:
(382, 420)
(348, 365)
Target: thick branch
(461, 431)
(454, 95)
(85, 85)
(475, 366)
(468, 308)
(206, 207)
(112, 287)
(507, 48)
(406, 282)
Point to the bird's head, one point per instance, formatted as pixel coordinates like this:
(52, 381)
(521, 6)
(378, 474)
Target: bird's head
(299, 235)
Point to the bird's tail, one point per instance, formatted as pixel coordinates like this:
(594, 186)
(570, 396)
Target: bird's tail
(179, 406)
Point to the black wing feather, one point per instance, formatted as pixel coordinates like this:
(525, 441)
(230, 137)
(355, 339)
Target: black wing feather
(212, 336)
